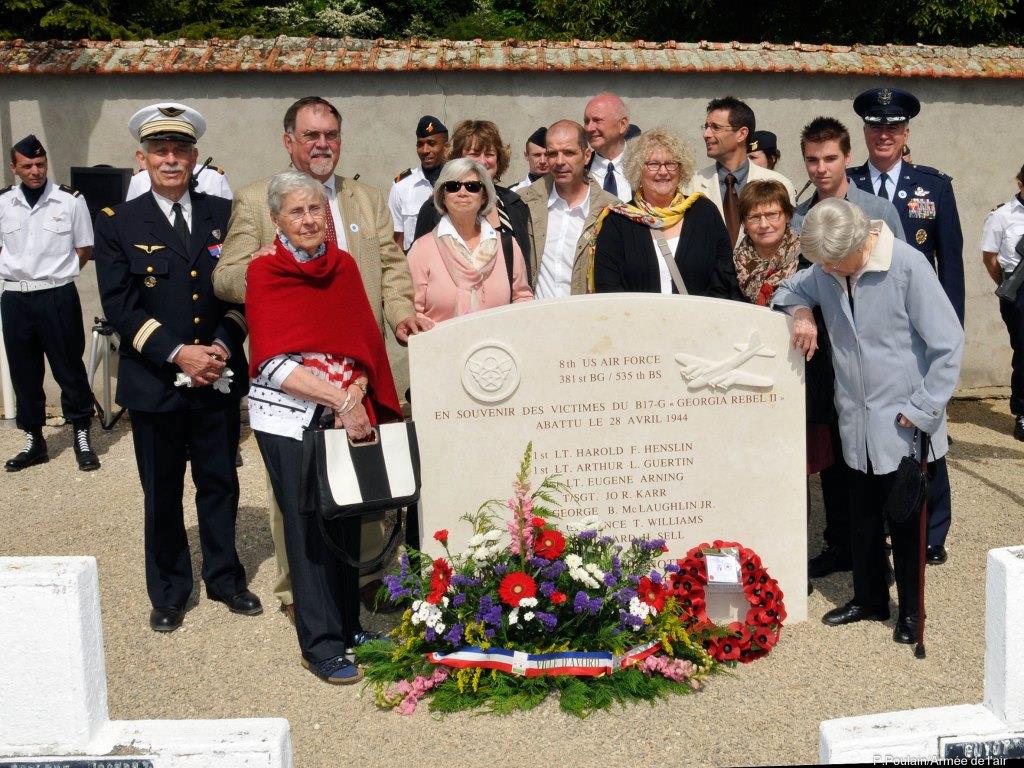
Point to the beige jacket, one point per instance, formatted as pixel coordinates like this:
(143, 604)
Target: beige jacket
(382, 265)
(705, 181)
(536, 198)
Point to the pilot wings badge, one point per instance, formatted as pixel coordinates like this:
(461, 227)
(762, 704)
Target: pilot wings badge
(723, 374)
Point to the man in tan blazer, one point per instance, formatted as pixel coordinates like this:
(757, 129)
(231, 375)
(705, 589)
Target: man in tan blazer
(727, 128)
(564, 206)
(362, 226)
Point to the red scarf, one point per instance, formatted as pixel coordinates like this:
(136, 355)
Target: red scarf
(318, 306)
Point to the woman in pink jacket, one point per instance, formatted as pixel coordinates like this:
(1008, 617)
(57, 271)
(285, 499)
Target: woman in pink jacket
(464, 265)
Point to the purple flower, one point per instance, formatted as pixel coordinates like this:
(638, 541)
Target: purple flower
(606, 540)
(629, 620)
(655, 577)
(538, 562)
(546, 588)
(580, 602)
(588, 535)
(454, 635)
(595, 606)
(459, 600)
(458, 580)
(430, 635)
(555, 569)
(617, 565)
(394, 584)
(623, 596)
(500, 569)
(672, 568)
(549, 620)
(489, 634)
(610, 580)
(403, 569)
(634, 580)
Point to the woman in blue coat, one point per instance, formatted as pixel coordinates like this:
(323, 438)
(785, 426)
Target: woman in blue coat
(896, 350)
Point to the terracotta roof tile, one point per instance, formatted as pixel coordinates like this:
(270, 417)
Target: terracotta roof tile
(294, 54)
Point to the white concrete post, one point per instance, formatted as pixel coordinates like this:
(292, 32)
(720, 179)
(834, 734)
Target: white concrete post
(53, 681)
(1004, 634)
(6, 387)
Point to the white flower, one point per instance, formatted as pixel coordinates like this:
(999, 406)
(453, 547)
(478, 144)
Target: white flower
(493, 535)
(573, 561)
(439, 627)
(513, 616)
(444, 600)
(477, 540)
(528, 616)
(528, 602)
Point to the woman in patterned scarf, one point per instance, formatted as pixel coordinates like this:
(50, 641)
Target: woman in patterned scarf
(769, 252)
(663, 236)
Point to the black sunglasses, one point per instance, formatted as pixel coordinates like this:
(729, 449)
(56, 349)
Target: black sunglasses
(455, 186)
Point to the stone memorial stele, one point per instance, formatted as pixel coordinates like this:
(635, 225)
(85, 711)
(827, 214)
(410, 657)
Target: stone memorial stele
(670, 417)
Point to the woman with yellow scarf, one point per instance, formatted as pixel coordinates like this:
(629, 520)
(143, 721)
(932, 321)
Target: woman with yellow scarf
(663, 241)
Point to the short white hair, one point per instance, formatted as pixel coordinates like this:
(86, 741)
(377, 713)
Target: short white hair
(832, 231)
(283, 184)
(454, 170)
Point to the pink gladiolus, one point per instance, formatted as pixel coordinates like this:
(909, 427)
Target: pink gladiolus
(673, 669)
(414, 690)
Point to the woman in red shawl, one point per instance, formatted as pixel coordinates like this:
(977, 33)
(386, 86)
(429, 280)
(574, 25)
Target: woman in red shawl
(316, 353)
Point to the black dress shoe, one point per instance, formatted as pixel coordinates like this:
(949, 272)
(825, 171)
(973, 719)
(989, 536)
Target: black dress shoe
(905, 631)
(84, 454)
(1018, 428)
(33, 453)
(935, 555)
(851, 612)
(362, 637)
(166, 619)
(244, 602)
(830, 560)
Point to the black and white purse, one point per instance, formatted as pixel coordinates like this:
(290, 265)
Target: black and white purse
(356, 479)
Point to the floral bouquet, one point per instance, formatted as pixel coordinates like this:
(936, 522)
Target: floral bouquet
(527, 609)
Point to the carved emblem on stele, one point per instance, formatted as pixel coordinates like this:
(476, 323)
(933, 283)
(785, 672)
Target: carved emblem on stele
(490, 372)
(725, 373)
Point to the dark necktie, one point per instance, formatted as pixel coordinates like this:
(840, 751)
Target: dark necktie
(882, 191)
(609, 181)
(332, 233)
(731, 208)
(849, 293)
(180, 227)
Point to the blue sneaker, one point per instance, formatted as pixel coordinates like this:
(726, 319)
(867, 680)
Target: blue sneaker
(336, 670)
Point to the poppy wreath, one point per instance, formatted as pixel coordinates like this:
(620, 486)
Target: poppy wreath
(745, 640)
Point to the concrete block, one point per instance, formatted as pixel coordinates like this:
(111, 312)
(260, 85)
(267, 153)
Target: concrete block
(53, 685)
(1004, 634)
(912, 733)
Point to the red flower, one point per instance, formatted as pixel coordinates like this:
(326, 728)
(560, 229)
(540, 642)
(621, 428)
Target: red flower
(549, 543)
(742, 632)
(724, 649)
(695, 569)
(516, 586)
(538, 522)
(557, 598)
(439, 580)
(441, 536)
(651, 593)
(765, 639)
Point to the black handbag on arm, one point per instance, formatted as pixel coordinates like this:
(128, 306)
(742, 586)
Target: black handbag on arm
(911, 484)
(356, 479)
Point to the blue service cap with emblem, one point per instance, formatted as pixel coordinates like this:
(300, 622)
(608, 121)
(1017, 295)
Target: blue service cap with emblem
(632, 132)
(886, 106)
(765, 141)
(30, 146)
(167, 120)
(429, 126)
(538, 137)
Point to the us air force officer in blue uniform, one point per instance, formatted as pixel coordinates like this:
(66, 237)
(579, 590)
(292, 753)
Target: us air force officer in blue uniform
(924, 199)
(154, 259)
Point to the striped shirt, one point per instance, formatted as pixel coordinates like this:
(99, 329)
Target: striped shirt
(274, 411)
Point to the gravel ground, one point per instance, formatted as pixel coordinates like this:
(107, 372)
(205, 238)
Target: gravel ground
(221, 665)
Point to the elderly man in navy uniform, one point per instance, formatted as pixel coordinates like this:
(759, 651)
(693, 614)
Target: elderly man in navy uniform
(924, 199)
(182, 369)
(46, 239)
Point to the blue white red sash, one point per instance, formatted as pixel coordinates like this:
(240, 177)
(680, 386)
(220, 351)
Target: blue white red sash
(578, 663)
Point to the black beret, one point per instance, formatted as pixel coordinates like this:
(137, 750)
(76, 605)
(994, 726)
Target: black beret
(766, 141)
(30, 146)
(429, 126)
(631, 132)
(886, 106)
(539, 137)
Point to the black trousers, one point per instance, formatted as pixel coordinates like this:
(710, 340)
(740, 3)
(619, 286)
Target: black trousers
(1012, 313)
(207, 438)
(326, 589)
(49, 323)
(867, 546)
(836, 487)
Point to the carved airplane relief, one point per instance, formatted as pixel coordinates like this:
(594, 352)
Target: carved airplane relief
(723, 374)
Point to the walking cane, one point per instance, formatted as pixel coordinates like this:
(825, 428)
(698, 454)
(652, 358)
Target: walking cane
(923, 536)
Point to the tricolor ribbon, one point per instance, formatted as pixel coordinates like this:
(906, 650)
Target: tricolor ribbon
(578, 663)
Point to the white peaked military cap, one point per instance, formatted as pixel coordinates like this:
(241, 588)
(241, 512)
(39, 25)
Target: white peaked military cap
(167, 120)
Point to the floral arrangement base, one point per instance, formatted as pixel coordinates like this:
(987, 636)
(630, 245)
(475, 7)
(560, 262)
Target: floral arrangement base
(527, 610)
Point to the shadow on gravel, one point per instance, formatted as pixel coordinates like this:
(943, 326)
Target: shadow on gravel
(990, 414)
(962, 451)
(252, 539)
(959, 466)
(59, 442)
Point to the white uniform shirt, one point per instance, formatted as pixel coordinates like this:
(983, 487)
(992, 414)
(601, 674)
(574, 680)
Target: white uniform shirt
(210, 181)
(893, 179)
(39, 243)
(599, 170)
(522, 184)
(1003, 228)
(166, 206)
(405, 199)
(565, 225)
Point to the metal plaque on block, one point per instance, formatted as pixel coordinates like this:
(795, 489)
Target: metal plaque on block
(1005, 747)
(78, 762)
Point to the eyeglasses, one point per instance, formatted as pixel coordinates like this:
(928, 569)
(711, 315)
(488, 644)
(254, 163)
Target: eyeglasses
(312, 137)
(298, 214)
(716, 128)
(654, 166)
(771, 218)
(454, 186)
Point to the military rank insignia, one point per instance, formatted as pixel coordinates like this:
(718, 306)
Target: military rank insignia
(921, 236)
(920, 208)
